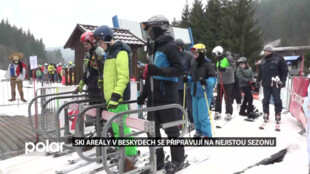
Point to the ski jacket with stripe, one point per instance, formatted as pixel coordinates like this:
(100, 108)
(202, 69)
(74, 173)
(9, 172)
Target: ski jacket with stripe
(167, 58)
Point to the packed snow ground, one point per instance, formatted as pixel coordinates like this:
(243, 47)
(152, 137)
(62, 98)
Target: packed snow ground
(221, 160)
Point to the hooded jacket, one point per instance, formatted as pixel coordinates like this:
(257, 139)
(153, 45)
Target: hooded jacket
(201, 68)
(245, 75)
(271, 66)
(167, 57)
(187, 59)
(116, 71)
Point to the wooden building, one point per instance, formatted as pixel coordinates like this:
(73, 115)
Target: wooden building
(119, 34)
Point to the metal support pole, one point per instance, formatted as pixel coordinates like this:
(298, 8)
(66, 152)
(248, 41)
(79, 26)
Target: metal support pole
(98, 131)
(67, 131)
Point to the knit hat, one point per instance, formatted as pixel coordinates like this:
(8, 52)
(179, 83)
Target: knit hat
(268, 48)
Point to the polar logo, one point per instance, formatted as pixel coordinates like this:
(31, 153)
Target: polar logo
(41, 147)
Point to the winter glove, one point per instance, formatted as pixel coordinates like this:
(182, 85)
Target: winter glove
(203, 81)
(113, 103)
(145, 71)
(185, 79)
(257, 85)
(76, 90)
(80, 87)
(141, 100)
(221, 68)
(282, 84)
(86, 62)
(153, 70)
(100, 84)
(252, 83)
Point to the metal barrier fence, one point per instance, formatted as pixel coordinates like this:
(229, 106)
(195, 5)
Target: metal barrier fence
(53, 130)
(43, 105)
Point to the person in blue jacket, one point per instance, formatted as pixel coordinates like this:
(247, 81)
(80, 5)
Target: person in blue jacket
(202, 74)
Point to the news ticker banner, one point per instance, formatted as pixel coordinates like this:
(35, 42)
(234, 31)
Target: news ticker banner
(226, 142)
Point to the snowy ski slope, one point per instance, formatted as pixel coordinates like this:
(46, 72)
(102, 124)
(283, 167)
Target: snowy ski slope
(221, 160)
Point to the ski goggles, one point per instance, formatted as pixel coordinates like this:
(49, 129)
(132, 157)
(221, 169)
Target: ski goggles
(145, 25)
(195, 50)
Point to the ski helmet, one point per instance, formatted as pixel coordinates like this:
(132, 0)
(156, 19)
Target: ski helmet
(87, 37)
(218, 50)
(242, 60)
(198, 48)
(179, 42)
(236, 56)
(104, 33)
(156, 21)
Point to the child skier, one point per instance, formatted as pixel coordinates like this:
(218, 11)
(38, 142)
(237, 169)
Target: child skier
(116, 83)
(202, 78)
(245, 76)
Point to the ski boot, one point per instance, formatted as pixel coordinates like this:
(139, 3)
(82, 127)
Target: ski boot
(134, 158)
(129, 165)
(160, 165)
(253, 115)
(242, 111)
(197, 135)
(266, 117)
(238, 106)
(255, 109)
(173, 167)
(191, 127)
(278, 117)
(217, 116)
(228, 117)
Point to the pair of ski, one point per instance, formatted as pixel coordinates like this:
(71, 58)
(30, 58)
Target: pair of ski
(223, 123)
(78, 163)
(187, 162)
(277, 126)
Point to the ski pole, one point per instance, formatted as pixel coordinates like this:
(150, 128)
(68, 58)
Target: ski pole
(184, 92)
(206, 97)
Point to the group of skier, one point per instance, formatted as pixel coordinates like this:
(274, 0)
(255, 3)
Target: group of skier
(172, 71)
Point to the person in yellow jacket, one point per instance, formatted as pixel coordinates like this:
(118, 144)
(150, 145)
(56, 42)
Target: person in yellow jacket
(51, 72)
(116, 81)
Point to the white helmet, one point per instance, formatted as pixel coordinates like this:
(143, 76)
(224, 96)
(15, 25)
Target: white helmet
(218, 50)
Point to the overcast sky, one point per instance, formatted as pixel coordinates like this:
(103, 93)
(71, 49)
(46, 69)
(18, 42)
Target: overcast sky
(54, 20)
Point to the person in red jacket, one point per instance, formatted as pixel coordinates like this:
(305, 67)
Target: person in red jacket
(16, 73)
(59, 68)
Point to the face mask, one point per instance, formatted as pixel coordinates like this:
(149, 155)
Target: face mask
(15, 59)
(155, 32)
(152, 35)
